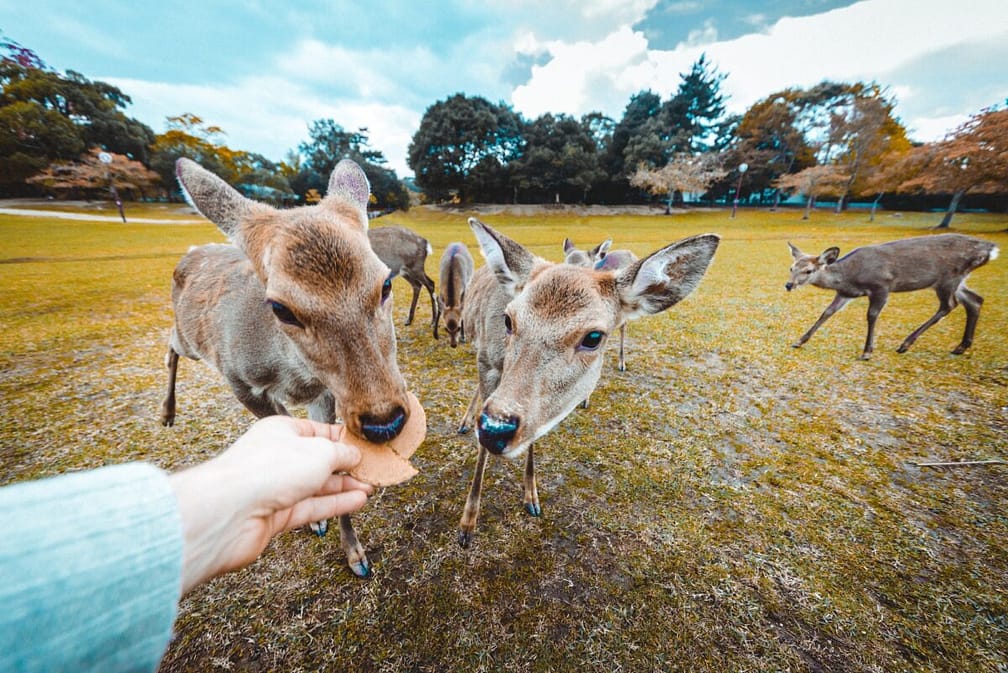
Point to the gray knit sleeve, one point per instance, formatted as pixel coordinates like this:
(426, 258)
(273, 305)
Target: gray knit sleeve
(90, 570)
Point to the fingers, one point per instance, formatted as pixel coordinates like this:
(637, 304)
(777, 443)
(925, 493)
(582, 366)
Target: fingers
(337, 483)
(325, 507)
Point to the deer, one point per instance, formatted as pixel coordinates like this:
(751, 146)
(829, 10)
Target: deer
(405, 252)
(295, 311)
(539, 329)
(940, 262)
(601, 258)
(456, 270)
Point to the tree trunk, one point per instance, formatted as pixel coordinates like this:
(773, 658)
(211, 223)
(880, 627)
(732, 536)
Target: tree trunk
(953, 206)
(808, 206)
(874, 205)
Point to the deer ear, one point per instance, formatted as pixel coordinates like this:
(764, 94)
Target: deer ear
(348, 183)
(510, 262)
(795, 252)
(213, 198)
(568, 246)
(829, 255)
(603, 248)
(665, 277)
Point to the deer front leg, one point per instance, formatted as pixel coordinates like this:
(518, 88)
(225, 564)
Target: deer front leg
(467, 525)
(838, 303)
(168, 406)
(622, 337)
(435, 305)
(469, 417)
(323, 409)
(356, 558)
(876, 302)
(531, 500)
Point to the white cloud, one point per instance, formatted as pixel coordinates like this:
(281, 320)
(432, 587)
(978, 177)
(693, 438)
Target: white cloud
(865, 41)
(272, 114)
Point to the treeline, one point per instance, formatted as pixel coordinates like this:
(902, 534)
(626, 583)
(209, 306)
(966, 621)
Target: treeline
(55, 129)
(835, 141)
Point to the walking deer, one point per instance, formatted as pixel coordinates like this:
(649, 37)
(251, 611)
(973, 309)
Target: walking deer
(456, 270)
(941, 262)
(539, 330)
(405, 252)
(601, 258)
(295, 311)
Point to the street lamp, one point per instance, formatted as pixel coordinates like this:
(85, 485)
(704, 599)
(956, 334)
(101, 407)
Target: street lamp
(106, 159)
(743, 167)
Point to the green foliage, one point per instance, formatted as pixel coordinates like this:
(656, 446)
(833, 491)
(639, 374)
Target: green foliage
(47, 117)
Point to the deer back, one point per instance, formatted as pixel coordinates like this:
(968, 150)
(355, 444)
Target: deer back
(403, 251)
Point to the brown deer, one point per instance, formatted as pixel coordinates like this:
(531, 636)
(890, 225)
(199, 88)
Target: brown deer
(456, 270)
(940, 262)
(539, 330)
(601, 258)
(296, 311)
(405, 252)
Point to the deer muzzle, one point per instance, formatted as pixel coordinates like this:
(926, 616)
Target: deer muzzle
(495, 433)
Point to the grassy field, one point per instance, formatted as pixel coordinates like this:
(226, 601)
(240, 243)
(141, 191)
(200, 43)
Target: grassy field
(727, 504)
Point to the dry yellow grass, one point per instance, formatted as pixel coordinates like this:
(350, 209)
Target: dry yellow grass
(727, 503)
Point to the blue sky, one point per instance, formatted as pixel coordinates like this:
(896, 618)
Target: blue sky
(263, 70)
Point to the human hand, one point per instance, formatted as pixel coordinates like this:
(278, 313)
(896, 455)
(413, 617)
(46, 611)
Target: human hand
(276, 477)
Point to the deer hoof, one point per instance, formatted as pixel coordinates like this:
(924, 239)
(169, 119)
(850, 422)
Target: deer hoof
(960, 349)
(319, 527)
(867, 356)
(533, 509)
(361, 568)
(465, 538)
(463, 429)
(796, 344)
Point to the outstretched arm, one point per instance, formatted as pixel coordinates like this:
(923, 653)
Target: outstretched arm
(278, 476)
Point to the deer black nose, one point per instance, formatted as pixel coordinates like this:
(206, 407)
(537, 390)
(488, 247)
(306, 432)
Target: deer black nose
(377, 429)
(495, 433)
(788, 286)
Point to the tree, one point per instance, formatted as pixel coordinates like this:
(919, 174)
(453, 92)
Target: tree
(561, 160)
(47, 117)
(973, 158)
(460, 136)
(813, 182)
(187, 135)
(695, 114)
(686, 172)
(91, 177)
(330, 143)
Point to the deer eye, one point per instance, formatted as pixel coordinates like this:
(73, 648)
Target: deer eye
(284, 314)
(386, 289)
(591, 341)
(508, 326)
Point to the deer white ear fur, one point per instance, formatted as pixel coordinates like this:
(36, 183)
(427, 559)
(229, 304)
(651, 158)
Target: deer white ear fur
(667, 276)
(795, 252)
(511, 267)
(349, 183)
(213, 198)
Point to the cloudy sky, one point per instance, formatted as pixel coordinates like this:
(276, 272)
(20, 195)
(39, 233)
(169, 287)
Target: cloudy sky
(263, 70)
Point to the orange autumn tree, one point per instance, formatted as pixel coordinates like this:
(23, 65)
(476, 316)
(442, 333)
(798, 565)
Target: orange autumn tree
(90, 177)
(971, 159)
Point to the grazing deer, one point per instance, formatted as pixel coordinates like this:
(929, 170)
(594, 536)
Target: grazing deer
(405, 252)
(940, 262)
(456, 270)
(296, 311)
(601, 258)
(539, 329)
